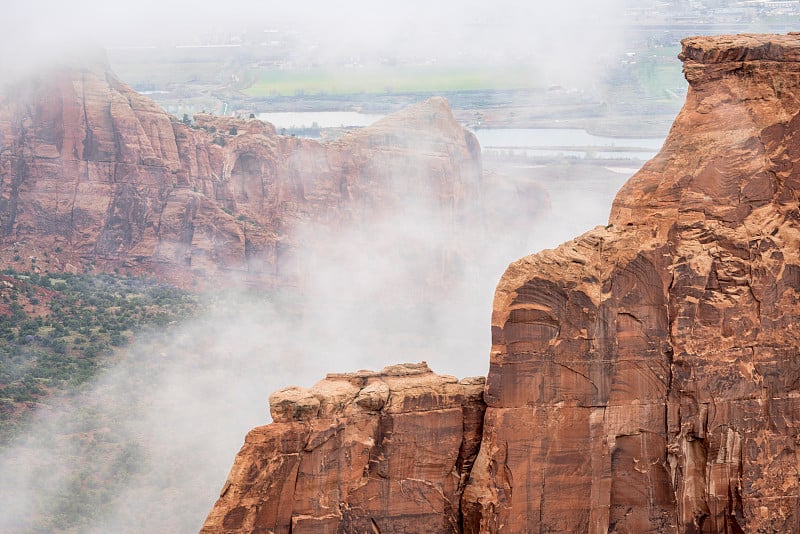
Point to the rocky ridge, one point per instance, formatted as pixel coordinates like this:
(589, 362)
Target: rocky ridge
(101, 178)
(643, 377)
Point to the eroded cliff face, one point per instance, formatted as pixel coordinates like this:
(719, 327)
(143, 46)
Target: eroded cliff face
(99, 176)
(360, 452)
(644, 377)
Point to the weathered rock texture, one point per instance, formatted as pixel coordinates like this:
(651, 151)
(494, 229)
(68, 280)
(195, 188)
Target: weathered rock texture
(99, 176)
(361, 452)
(645, 377)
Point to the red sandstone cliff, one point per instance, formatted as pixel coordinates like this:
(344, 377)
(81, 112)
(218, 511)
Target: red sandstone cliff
(644, 377)
(359, 452)
(98, 175)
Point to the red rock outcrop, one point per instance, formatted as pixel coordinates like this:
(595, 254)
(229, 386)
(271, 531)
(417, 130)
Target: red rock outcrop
(644, 376)
(359, 452)
(98, 175)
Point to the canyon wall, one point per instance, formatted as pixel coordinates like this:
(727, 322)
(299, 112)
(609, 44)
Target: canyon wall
(643, 377)
(95, 176)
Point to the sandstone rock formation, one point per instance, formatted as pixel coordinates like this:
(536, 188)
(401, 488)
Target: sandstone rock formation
(359, 452)
(643, 378)
(99, 176)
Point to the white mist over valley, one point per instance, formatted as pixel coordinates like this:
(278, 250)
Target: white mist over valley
(577, 117)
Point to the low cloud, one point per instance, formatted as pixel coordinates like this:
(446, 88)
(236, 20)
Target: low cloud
(146, 447)
(561, 40)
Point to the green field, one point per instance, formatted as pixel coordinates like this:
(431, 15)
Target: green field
(387, 79)
(659, 73)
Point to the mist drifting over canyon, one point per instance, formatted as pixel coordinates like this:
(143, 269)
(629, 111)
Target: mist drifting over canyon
(553, 36)
(372, 295)
(411, 283)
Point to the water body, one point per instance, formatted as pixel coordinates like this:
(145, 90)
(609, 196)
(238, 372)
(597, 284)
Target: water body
(527, 142)
(554, 142)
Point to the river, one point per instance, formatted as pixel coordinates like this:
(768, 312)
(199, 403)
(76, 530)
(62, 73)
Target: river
(526, 142)
(570, 142)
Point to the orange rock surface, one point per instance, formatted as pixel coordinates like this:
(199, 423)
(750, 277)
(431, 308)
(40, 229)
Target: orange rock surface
(358, 452)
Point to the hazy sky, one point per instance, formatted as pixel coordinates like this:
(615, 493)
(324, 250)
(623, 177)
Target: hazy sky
(359, 22)
(562, 37)
(189, 418)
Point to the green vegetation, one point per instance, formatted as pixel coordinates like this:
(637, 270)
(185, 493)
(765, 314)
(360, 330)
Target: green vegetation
(58, 331)
(101, 443)
(659, 73)
(647, 83)
(383, 79)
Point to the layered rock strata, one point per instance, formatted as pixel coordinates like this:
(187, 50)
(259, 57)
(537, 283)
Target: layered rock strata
(100, 177)
(360, 452)
(643, 377)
